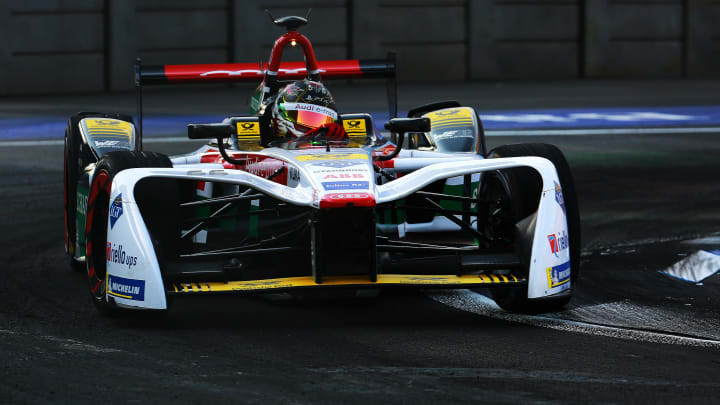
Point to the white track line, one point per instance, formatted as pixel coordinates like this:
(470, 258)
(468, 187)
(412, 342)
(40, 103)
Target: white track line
(470, 301)
(601, 131)
(489, 132)
(60, 142)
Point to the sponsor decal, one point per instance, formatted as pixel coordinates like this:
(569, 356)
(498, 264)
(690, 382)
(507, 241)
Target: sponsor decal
(106, 144)
(116, 254)
(559, 196)
(316, 199)
(346, 185)
(337, 164)
(126, 288)
(107, 126)
(354, 126)
(427, 279)
(310, 107)
(465, 133)
(241, 72)
(558, 275)
(116, 210)
(345, 170)
(447, 112)
(345, 196)
(248, 128)
(263, 166)
(333, 156)
(82, 201)
(344, 176)
(450, 118)
(80, 218)
(558, 242)
(294, 174)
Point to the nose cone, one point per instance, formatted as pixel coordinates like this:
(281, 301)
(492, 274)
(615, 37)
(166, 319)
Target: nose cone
(343, 200)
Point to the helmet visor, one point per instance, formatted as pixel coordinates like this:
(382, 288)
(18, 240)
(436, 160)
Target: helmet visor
(308, 115)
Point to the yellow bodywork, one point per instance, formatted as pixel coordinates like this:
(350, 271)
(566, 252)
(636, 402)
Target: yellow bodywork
(449, 281)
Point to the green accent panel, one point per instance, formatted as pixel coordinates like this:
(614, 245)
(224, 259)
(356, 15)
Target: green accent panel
(256, 100)
(203, 212)
(80, 218)
(253, 221)
(400, 213)
(458, 191)
(230, 223)
(452, 190)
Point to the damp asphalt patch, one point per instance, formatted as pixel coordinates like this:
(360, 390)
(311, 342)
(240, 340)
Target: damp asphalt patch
(620, 296)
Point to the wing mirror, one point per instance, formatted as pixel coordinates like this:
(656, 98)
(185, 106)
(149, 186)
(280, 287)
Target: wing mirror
(402, 125)
(210, 131)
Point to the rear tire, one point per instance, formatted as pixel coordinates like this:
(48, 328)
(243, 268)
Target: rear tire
(97, 218)
(525, 187)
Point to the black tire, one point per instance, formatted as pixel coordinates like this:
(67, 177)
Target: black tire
(482, 144)
(96, 226)
(525, 187)
(77, 156)
(70, 180)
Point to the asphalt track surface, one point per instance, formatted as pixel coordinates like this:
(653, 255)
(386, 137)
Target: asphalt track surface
(630, 335)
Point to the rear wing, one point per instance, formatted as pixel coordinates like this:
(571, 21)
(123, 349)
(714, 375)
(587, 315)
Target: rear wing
(249, 72)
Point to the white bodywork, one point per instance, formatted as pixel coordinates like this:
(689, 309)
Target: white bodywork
(311, 186)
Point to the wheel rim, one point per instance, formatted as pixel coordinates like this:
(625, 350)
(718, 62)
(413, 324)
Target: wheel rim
(498, 221)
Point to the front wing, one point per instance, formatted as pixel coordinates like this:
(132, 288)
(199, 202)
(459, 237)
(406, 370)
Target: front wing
(135, 278)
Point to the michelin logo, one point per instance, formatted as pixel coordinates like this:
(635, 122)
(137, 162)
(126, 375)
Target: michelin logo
(126, 288)
(117, 255)
(558, 275)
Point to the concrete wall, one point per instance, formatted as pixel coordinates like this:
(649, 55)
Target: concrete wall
(52, 46)
(524, 39)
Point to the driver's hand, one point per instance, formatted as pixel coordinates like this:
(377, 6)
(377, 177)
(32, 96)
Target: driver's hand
(331, 132)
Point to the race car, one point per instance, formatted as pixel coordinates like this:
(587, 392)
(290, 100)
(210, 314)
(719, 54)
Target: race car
(264, 208)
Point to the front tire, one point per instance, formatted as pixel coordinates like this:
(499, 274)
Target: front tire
(524, 187)
(97, 218)
(77, 156)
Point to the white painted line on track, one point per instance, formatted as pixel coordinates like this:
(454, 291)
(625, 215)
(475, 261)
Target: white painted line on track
(56, 142)
(65, 343)
(600, 131)
(470, 301)
(489, 132)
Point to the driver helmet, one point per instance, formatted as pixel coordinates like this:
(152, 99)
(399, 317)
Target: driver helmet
(302, 106)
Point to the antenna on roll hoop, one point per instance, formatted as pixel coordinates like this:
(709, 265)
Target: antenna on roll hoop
(290, 23)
